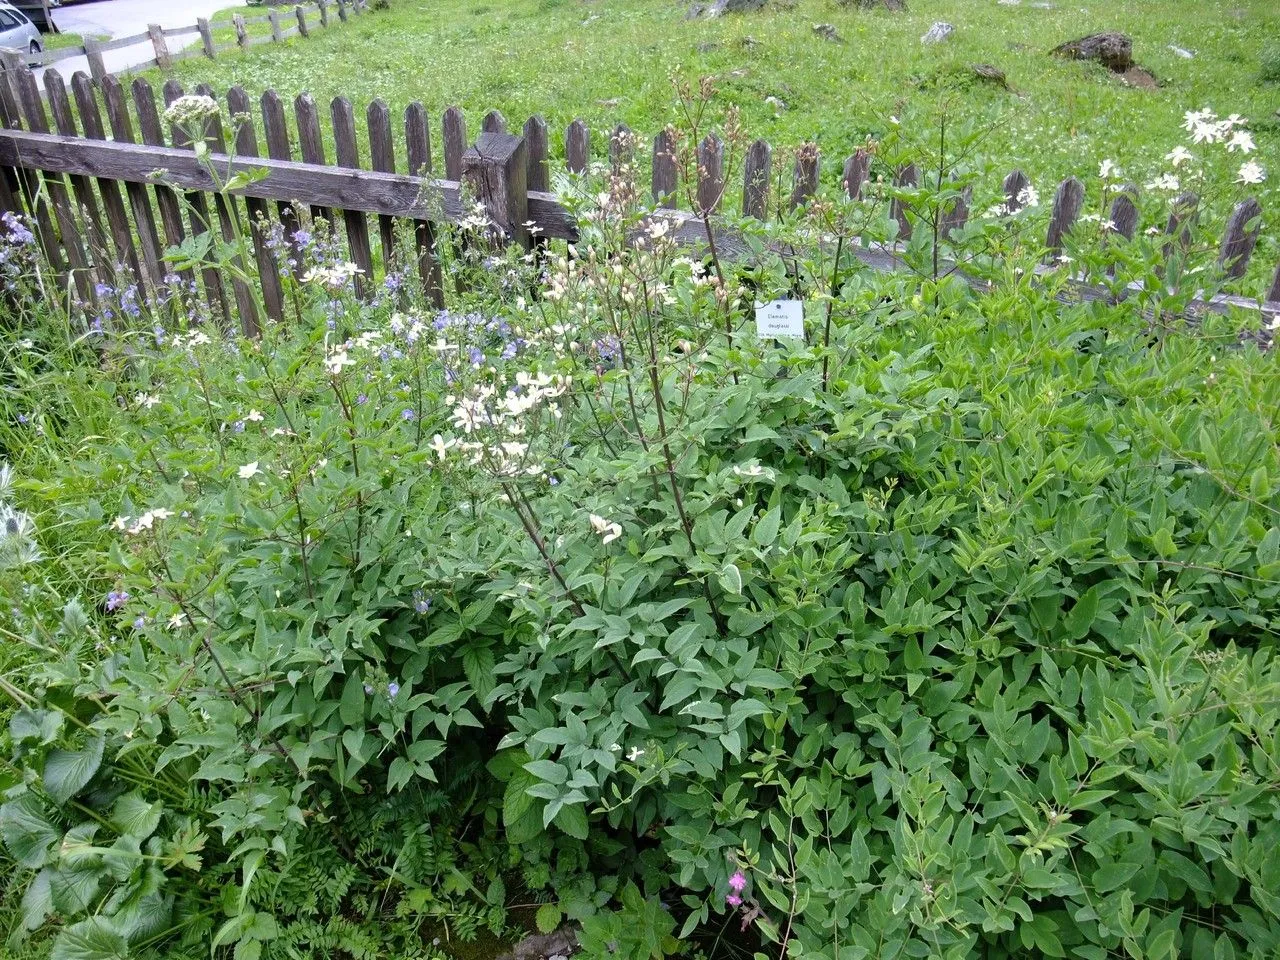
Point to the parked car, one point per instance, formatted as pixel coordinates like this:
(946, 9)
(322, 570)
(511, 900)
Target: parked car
(17, 32)
(34, 10)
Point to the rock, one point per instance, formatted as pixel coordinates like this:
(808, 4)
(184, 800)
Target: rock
(990, 73)
(778, 105)
(894, 6)
(719, 7)
(827, 32)
(1179, 51)
(708, 47)
(749, 42)
(1113, 50)
(938, 32)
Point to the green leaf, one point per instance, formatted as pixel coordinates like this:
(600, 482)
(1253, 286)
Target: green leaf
(548, 770)
(94, 939)
(731, 578)
(1082, 615)
(548, 917)
(27, 834)
(765, 532)
(1113, 876)
(516, 801)
(67, 772)
(37, 901)
(39, 725)
(572, 819)
(133, 815)
(351, 707)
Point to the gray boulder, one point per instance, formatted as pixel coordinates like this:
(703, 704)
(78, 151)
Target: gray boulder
(938, 32)
(1113, 50)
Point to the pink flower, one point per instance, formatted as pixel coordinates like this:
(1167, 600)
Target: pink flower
(733, 900)
(738, 882)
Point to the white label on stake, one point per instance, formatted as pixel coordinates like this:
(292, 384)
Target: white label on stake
(780, 318)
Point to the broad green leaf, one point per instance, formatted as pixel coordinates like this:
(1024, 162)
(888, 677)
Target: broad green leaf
(94, 939)
(572, 819)
(67, 772)
(731, 578)
(133, 815)
(27, 832)
(548, 917)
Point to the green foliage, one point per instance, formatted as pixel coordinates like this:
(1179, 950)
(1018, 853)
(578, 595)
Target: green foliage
(1269, 64)
(945, 631)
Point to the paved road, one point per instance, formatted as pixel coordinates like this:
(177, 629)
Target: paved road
(121, 18)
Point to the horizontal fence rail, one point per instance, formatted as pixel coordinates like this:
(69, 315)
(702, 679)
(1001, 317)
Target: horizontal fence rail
(299, 20)
(87, 181)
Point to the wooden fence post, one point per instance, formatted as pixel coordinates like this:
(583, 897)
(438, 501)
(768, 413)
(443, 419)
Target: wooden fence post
(302, 21)
(206, 36)
(242, 37)
(665, 175)
(163, 60)
(493, 122)
(496, 170)
(11, 63)
(577, 147)
(93, 53)
(710, 175)
(323, 6)
(1274, 292)
(1240, 238)
(906, 178)
(855, 173)
(756, 176)
(1066, 210)
(535, 142)
(454, 130)
(274, 16)
(342, 10)
(805, 176)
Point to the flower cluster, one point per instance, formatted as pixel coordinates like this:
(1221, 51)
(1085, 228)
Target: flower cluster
(192, 111)
(335, 278)
(17, 531)
(147, 521)
(17, 247)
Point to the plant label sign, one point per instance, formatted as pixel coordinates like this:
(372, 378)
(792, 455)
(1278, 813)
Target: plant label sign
(780, 318)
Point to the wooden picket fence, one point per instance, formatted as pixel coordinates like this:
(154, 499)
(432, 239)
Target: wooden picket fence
(303, 20)
(98, 208)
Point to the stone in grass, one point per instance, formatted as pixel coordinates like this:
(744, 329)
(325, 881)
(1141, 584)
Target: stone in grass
(828, 32)
(1113, 50)
(895, 6)
(990, 73)
(1182, 52)
(938, 32)
(719, 7)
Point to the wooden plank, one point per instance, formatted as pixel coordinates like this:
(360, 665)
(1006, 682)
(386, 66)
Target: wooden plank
(162, 49)
(85, 199)
(906, 178)
(170, 210)
(259, 212)
(418, 145)
(97, 66)
(310, 143)
(230, 222)
(357, 226)
(496, 170)
(382, 158)
(1014, 185)
(956, 214)
(1182, 218)
(197, 211)
(757, 176)
(454, 128)
(805, 174)
(206, 37)
(577, 147)
(854, 175)
(274, 17)
(180, 31)
(28, 182)
(493, 122)
(113, 205)
(1067, 202)
(119, 43)
(665, 176)
(710, 174)
(1240, 237)
(302, 21)
(621, 149)
(536, 147)
(59, 199)
(242, 35)
(1123, 217)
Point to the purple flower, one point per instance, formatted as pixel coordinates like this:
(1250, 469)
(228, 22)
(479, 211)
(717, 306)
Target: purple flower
(139, 623)
(408, 414)
(363, 398)
(421, 602)
(733, 900)
(117, 599)
(738, 882)
(368, 689)
(393, 689)
(476, 355)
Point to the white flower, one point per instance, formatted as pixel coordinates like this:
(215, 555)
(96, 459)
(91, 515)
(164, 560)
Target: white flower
(192, 109)
(145, 400)
(608, 531)
(1108, 170)
(1242, 140)
(335, 277)
(144, 522)
(249, 470)
(336, 360)
(253, 416)
(1251, 173)
(634, 754)
(1028, 196)
(440, 445)
(1166, 181)
(176, 621)
(1178, 156)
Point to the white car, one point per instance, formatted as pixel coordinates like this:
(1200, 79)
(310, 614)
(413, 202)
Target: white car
(17, 32)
